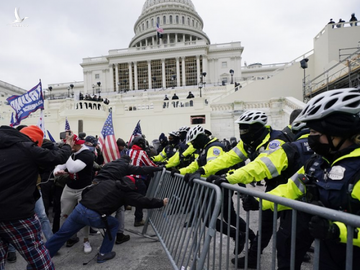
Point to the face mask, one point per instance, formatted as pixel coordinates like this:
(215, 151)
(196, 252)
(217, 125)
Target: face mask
(318, 147)
(247, 138)
(91, 148)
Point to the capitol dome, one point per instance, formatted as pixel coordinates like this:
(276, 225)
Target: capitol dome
(178, 22)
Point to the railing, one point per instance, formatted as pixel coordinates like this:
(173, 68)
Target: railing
(197, 233)
(335, 73)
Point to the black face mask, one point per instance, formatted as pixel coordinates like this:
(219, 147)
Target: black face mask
(253, 137)
(318, 147)
(200, 141)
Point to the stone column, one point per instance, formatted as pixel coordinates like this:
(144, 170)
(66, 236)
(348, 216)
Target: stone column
(197, 68)
(183, 71)
(130, 77)
(136, 76)
(177, 72)
(149, 74)
(205, 65)
(117, 77)
(163, 73)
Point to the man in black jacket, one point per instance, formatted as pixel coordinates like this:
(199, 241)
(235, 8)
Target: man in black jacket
(21, 155)
(98, 202)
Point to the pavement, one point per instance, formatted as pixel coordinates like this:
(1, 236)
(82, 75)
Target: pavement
(138, 253)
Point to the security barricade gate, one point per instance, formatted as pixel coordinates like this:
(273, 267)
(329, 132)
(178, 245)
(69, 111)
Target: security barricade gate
(185, 227)
(198, 231)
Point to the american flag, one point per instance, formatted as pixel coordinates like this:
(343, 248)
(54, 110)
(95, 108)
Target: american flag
(136, 132)
(108, 142)
(67, 126)
(159, 31)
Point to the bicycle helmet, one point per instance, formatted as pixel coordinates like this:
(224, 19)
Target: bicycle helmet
(296, 126)
(194, 132)
(184, 129)
(335, 101)
(334, 113)
(252, 117)
(174, 133)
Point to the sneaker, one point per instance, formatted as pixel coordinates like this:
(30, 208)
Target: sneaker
(11, 258)
(87, 247)
(72, 241)
(252, 262)
(121, 238)
(105, 257)
(139, 223)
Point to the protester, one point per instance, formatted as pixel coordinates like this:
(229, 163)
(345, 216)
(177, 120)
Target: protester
(98, 202)
(21, 155)
(79, 168)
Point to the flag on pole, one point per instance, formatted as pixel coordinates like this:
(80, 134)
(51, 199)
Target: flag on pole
(50, 137)
(108, 142)
(159, 31)
(136, 132)
(67, 126)
(41, 123)
(25, 104)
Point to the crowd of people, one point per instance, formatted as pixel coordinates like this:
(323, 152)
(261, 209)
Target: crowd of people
(353, 22)
(314, 159)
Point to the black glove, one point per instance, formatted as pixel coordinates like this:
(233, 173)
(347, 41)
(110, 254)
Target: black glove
(173, 171)
(323, 229)
(217, 180)
(250, 203)
(189, 177)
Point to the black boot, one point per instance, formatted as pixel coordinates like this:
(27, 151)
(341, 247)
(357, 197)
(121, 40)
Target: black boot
(121, 238)
(252, 261)
(240, 243)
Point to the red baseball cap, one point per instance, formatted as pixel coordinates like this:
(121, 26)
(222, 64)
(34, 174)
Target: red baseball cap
(77, 140)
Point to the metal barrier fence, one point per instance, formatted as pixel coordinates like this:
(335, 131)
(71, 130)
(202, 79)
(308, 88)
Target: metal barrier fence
(198, 229)
(186, 239)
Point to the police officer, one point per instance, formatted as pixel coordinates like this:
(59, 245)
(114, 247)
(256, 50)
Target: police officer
(334, 121)
(170, 149)
(256, 137)
(286, 160)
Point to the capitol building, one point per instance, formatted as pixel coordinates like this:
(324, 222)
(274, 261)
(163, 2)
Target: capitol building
(171, 54)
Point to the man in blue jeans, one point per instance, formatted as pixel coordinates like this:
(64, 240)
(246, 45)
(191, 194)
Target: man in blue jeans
(98, 202)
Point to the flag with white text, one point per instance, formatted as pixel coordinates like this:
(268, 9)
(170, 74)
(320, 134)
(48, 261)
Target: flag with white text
(25, 104)
(107, 141)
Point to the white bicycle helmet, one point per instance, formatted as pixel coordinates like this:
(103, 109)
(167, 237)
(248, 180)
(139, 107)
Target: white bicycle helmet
(184, 129)
(174, 133)
(251, 117)
(296, 126)
(194, 132)
(335, 101)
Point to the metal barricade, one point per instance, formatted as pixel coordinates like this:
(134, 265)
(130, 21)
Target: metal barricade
(201, 226)
(185, 227)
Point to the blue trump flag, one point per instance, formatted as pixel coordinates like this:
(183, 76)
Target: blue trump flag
(25, 104)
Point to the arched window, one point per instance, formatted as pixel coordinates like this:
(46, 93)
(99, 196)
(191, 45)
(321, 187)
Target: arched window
(188, 21)
(183, 19)
(143, 27)
(164, 19)
(152, 22)
(177, 19)
(147, 24)
(158, 20)
(170, 19)
(193, 23)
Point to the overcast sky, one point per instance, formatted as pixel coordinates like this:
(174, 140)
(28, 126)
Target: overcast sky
(51, 43)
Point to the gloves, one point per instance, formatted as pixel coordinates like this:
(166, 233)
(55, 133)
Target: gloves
(189, 177)
(173, 171)
(217, 180)
(323, 229)
(250, 203)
